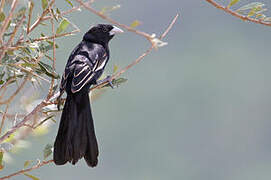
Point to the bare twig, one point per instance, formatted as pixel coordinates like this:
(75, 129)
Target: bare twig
(16, 92)
(42, 39)
(50, 93)
(5, 23)
(40, 19)
(31, 5)
(11, 37)
(244, 18)
(3, 118)
(38, 165)
(128, 28)
(75, 8)
(2, 5)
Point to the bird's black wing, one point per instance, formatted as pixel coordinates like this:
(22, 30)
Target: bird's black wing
(83, 68)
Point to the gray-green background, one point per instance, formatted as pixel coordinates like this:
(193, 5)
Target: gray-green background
(197, 109)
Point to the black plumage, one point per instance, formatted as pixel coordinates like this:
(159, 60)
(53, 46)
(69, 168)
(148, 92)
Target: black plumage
(76, 136)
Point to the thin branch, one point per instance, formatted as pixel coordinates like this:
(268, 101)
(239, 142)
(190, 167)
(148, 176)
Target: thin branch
(40, 164)
(11, 37)
(6, 22)
(31, 5)
(25, 119)
(128, 28)
(75, 8)
(244, 18)
(16, 92)
(123, 70)
(3, 118)
(54, 55)
(2, 5)
(40, 19)
(42, 39)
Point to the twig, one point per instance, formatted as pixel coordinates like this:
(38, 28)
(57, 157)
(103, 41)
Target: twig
(40, 164)
(50, 93)
(30, 4)
(25, 119)
(16, 92)
(65, 12)
(128, 28)
(244, 18)
(11, 37)
(42, 39)
(139, 58)
(2, 5)
(3, 118)
(40, 19)
(5, 23)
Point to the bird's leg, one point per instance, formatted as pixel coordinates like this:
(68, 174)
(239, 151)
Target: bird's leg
(107, 79)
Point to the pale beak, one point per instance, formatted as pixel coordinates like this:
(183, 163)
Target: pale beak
(115, 30)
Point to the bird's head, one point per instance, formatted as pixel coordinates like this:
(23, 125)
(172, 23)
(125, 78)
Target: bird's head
(101, 33)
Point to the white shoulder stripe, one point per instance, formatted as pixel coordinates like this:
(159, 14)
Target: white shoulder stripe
(81, 80)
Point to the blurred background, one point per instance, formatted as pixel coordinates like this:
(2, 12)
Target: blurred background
(198, 108)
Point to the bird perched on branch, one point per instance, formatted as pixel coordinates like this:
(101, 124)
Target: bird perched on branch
(76, 136)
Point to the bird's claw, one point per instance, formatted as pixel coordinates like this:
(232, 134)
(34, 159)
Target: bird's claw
(108, 80)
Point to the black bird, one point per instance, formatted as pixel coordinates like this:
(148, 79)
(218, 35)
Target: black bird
(76, 136)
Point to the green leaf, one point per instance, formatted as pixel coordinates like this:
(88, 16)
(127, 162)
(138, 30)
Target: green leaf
(2, 16)
(69, 3)
(250, 6)
(44, 4)
(115, 68)
(232, 2)
(135, 24)
(48, 70)
(62, 26)
(47, 151)
(27, 163)
(31, 176)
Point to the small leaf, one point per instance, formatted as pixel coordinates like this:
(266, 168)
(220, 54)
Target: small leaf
(135, 24)
(58, 11)
(250, 6)
(2, 16)
(69, 3)
(47, 151)
(31, 176)
(48, 70)
(233, 2)
(115, 68)
(44, 4)
(62, 26)
(27, 163)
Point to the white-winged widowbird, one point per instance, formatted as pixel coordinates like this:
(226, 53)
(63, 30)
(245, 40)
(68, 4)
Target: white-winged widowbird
(76, 135)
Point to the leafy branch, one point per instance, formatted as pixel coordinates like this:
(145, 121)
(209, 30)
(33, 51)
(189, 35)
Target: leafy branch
(252, 12)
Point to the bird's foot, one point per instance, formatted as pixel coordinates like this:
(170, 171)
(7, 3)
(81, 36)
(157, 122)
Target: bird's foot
(108, 80)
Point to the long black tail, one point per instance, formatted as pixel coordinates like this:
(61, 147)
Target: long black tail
(76, 136)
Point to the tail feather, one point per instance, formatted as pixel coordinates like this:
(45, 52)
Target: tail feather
(76, 135)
